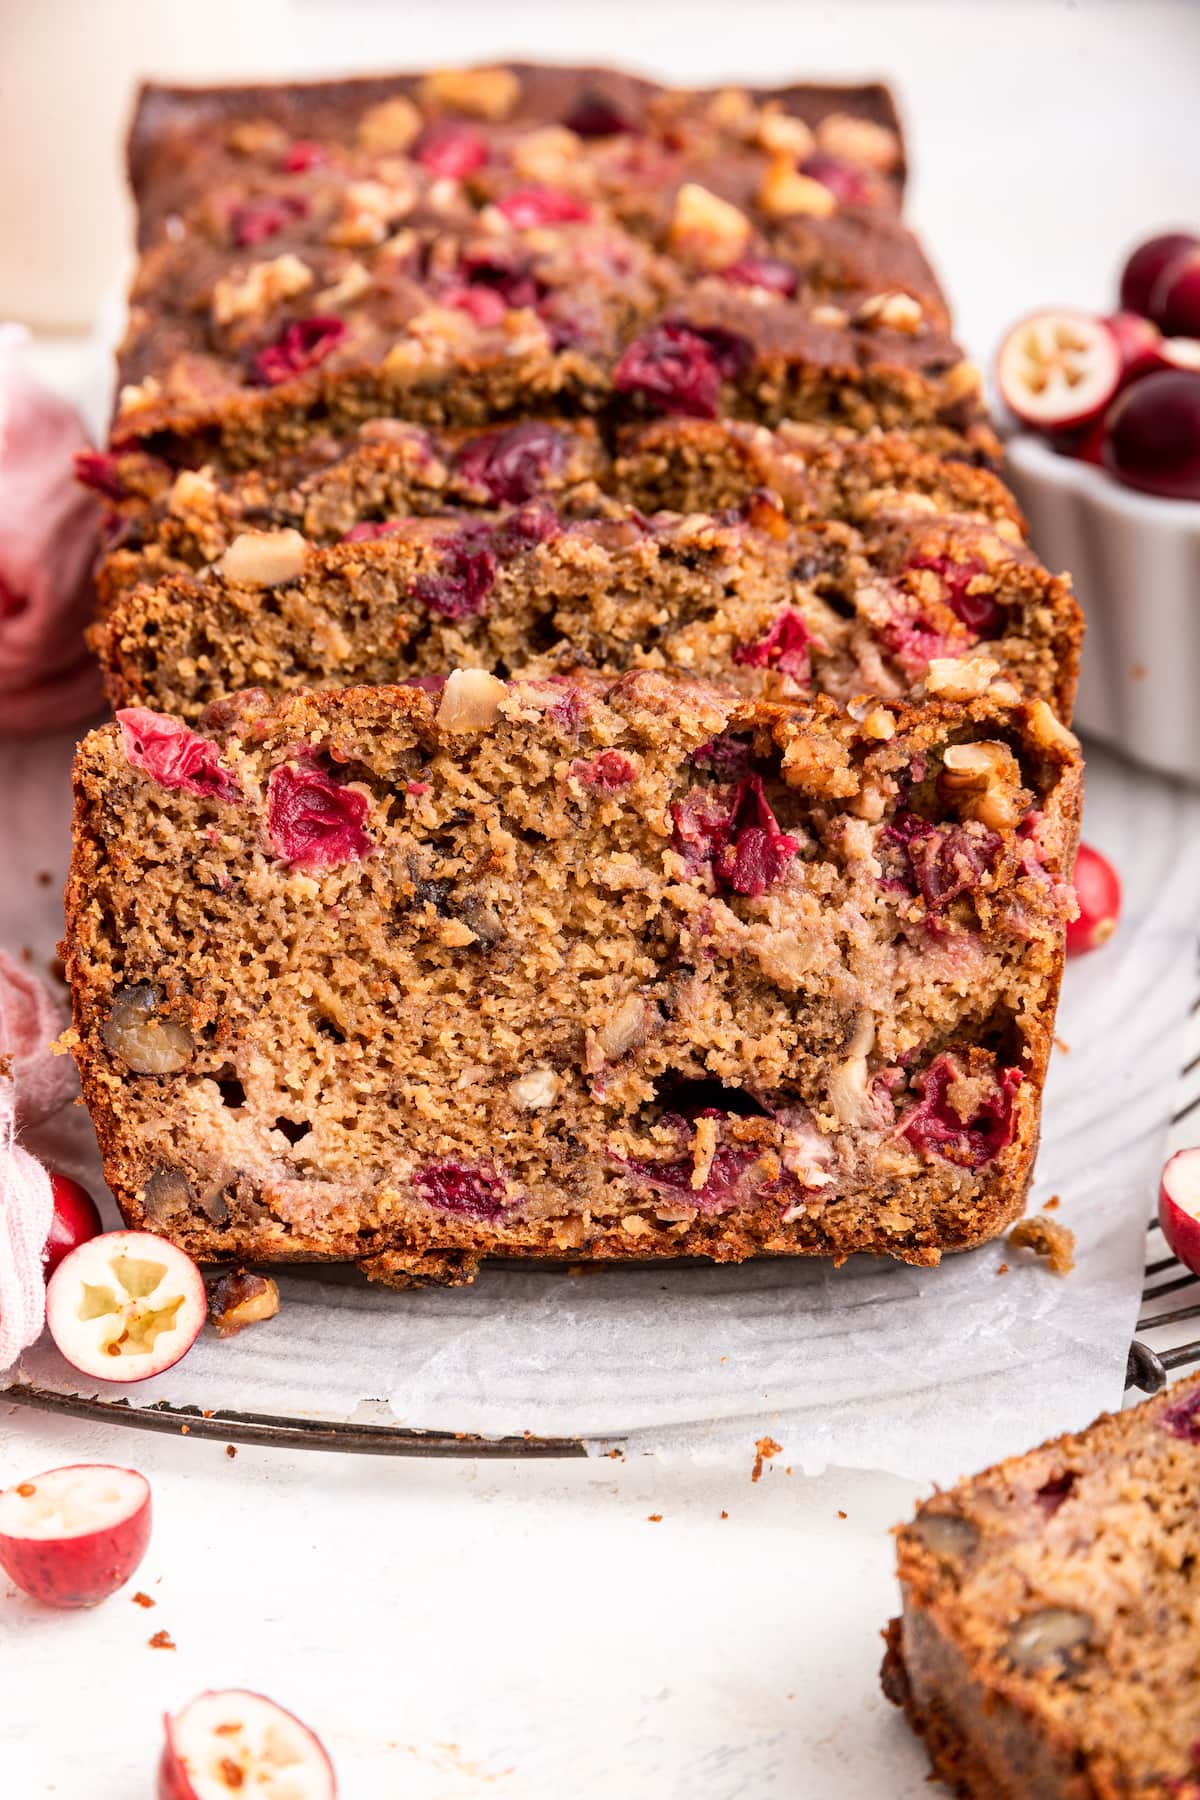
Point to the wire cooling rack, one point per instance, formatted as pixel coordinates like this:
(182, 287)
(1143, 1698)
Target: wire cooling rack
(1167, 1341)
(1167, 1329)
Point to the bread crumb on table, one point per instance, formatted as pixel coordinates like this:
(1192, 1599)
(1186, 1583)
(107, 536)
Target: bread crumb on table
(765, 1449)
(162, 1640)
(1045, 1237)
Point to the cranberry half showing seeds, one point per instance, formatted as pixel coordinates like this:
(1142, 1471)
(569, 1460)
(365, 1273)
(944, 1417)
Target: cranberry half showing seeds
(238, 1742)
(1179, 1207)
(73, 1536)
(1058, 369)
(125, 1305)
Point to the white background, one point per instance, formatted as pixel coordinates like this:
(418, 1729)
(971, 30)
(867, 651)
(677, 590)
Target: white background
(463, 1629)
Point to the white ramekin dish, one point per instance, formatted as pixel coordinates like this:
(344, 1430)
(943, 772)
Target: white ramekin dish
(1135, 561)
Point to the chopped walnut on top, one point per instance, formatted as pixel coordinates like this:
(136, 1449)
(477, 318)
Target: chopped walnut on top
(240, 1298)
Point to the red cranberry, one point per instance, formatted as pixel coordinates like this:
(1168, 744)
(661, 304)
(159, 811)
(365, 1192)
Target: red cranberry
(257, 220)
(1183, 1419)
(1098, 892)
(933, 1124)
(721, 1184)
(504, 269)
(1146, 264)
(371, 530)
(1051, 1495)
(313, 821)
(12, 604)
(455, 151)
(97, 469)
(1154, 435)
(512, 465)
(542, 206)
(174, 756)
(606, 772)
(939, 862)
(304, 155)
(1175, 299)
(727, 756)
(454, 1187)
(679, 369)
(74, 1221)
(784, 647)
(466, 578)
(848, 185)
(304, 344)
(485, 305)
(742, 843)
(978, 612)
(767, 272)
(1138, 343)
(595, 115)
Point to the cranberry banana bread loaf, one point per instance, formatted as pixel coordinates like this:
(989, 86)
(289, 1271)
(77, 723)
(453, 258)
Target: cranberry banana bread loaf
(1050, 1643)
(564, 968)
(449, 250)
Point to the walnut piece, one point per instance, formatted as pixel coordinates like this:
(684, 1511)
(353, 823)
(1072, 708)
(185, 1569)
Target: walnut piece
(711, 231)
(859, 141)
(147, 1041)
(782, 134)
(261, 289)
(848, 1080)
(533, 1091)
(960, 677)
(481, 93)
(896, 311)
(1055, 1634)
(470, 700)
(785, 193)
(240, 1298)
(264, 558)
(983, 781)
(947, 1535)
(392, 125)
(548, 156)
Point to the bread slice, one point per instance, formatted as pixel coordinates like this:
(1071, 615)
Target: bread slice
(1049, 1647)
(569, 968)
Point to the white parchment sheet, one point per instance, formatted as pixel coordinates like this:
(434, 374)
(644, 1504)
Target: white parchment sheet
(922, 1372)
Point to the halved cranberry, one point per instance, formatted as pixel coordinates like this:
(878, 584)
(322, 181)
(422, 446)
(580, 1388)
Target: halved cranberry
(372, 529)
(304, 154)
(174, 756)
(484, 304)
(784, 647)
(504, 269)
(933, 1124)
(595, 115)
(680, 369)
(257, 220)
(313, 821)
(978, 612)
(542, 206)
(727, 756)
(512, 465)
(454, 1187)
(768, 272)
(97, 469)
(721, 1184)
(1182, 1419)
(939, 862)
(466, 578)
(302, 345)
(454, 151)
(848, 185)
(741, 843)
(606, 772)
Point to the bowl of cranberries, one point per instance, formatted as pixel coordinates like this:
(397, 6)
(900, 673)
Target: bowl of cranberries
(1106, 463)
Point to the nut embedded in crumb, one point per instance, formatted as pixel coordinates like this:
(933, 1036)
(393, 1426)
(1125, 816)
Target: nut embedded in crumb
(1045, 1237)
(785, 193)
(264, 558)
(703, 226)
(241, 1298)
(470, 700)
(391, 125)
(482, 93)
(783, 134)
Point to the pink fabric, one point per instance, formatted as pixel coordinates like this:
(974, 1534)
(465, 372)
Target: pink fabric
(48, 527)
(33, 1084)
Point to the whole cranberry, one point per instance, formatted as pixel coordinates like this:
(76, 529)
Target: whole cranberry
(1175, 296)
(1154, 435)
(1098, 891)
(75, 1220)
(1146, 264)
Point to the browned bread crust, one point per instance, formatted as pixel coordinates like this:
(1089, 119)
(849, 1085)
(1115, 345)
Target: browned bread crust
(614, 970)
(1049, 1646)
(290, 283)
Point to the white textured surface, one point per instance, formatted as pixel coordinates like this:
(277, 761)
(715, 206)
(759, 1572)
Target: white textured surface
(465, 1630)
(1135, 560)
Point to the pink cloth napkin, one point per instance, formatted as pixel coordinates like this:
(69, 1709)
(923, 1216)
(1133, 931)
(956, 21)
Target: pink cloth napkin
(48, 527)
(33, 1084)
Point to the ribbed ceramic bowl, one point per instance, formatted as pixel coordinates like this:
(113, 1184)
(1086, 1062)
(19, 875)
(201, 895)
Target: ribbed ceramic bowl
(1136, 566)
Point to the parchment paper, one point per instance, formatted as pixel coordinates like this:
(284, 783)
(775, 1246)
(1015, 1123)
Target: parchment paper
(925, 1373)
